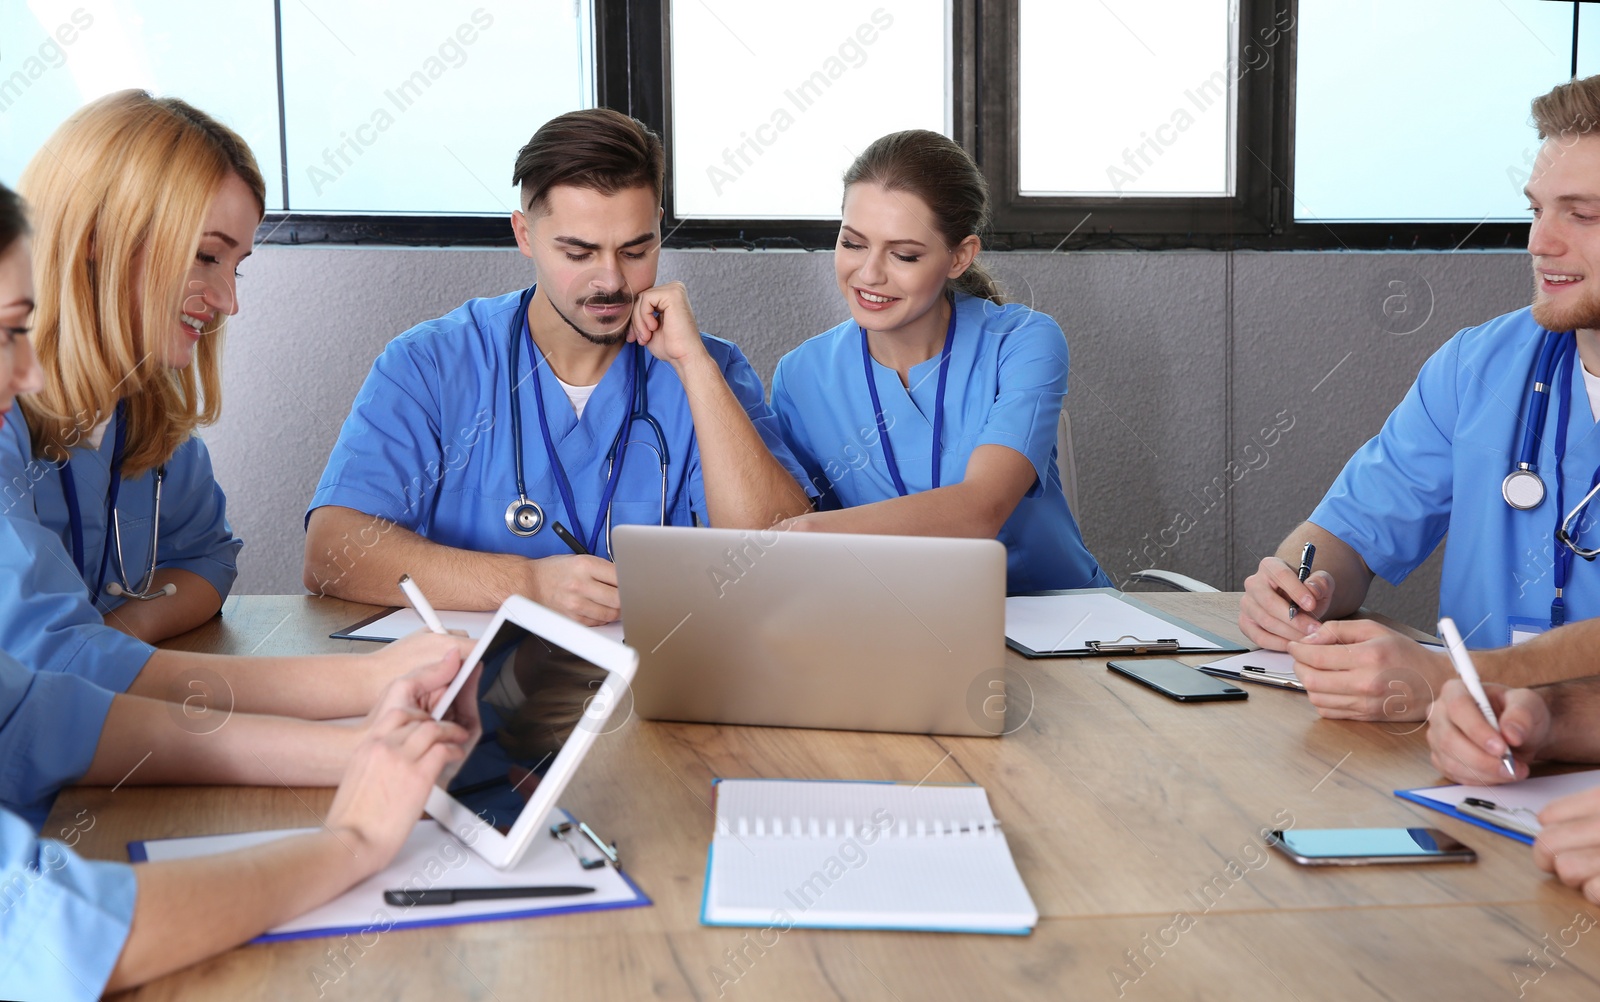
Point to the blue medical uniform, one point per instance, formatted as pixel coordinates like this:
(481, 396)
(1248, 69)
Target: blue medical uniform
(428, 443)
(63, 919)
(1436, 468)
(47, 618)
(1007, 379)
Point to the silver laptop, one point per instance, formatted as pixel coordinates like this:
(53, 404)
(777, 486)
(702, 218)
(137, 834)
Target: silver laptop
(802, 629)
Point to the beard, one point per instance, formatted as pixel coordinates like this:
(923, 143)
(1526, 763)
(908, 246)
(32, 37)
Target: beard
(605, 339)
(1573, 313)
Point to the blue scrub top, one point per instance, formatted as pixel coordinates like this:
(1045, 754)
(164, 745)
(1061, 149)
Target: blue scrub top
(63, 919)
(47, 618)
(50, 726)
(1007, 379)
(1436, 468)
(428, 442)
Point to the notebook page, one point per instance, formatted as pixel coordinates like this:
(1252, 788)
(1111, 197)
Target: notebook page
(950, 882)
(1047, 623)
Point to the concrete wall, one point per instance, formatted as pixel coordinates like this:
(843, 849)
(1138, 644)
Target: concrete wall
(1214, 396)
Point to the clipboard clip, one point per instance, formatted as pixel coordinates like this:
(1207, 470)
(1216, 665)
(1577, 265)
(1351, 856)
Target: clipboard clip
(580, 838)
(1129, 644)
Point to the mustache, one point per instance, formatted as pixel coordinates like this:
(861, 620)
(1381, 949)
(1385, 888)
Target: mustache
(618, 298)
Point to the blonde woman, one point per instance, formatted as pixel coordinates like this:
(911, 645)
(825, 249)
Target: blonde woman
(70, 927)
(113, 531)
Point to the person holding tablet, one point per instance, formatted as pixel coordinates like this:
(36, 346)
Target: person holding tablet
(70, 928)
(933, 409)
(1494, 445)
(490, 451)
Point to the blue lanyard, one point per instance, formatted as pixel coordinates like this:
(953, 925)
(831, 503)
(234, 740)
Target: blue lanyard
(1563, 568)
(938, 405)
(69, 492)
(592, 539)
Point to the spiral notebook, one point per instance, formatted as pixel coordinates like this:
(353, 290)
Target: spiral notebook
(861, 855)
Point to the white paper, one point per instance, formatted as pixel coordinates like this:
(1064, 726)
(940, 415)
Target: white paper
(1046, 623)
(431, 858)
(1277, 663)
(862, 855)
(401, 622)
(1532, 794)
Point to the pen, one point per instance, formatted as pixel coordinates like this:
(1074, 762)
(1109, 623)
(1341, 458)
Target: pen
(420, 603)
(451, 895)
(568, 538)
(1469, 675)
(1308, 554)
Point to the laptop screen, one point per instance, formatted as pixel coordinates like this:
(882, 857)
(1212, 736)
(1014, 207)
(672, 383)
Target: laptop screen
(530, 696)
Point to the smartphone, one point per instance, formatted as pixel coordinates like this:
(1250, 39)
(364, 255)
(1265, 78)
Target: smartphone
(1178, 681)
(1362, 846)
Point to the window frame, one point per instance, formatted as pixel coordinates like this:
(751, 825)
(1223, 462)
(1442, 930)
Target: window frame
(633, 74)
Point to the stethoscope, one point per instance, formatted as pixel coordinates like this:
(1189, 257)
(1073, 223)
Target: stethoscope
(525, 517)
(1523, 488)
(69, 490)
(938, 404)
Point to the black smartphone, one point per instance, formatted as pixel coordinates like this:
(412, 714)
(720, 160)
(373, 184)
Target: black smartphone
(1178, 681)
(1363, 846)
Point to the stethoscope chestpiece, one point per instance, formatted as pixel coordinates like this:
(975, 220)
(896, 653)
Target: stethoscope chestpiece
(524, 518)
(1523, 489)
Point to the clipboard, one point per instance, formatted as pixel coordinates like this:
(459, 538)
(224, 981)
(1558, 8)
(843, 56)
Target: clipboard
(1095, 622)
(431, 856)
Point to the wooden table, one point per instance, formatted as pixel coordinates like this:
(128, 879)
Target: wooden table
(1135, 822)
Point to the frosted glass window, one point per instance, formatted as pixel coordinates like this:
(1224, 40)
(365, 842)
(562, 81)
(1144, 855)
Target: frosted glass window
(423, 110)
(56, 55)
(1418, 109)
(771, 102)
(1129, 97)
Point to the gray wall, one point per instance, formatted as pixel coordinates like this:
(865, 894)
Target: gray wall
(1213, 396)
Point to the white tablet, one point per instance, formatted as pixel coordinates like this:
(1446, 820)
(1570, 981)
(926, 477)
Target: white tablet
(543, 688)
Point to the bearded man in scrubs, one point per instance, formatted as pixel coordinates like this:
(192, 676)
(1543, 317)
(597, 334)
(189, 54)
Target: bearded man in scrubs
(1440, 463)
(625, 413)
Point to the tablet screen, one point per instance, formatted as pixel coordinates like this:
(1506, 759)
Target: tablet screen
(530, 696)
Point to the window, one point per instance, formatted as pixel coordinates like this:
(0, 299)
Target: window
(769, 108)
(419, 110)
(1098, 123)
(1418, 109)
(56, 55)
(424, 113)
(1147, 109)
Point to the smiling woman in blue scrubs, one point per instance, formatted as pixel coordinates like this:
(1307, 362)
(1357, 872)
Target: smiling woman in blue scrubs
(143, 209)
(71, 928)
(933, 409)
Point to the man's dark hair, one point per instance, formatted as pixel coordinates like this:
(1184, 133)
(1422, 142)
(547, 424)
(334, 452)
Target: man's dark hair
(597, 148)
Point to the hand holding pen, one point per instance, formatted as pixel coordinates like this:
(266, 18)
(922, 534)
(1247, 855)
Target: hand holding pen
(1474, 726)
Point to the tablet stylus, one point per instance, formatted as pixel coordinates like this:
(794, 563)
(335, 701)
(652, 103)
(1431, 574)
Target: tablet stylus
(451, 895)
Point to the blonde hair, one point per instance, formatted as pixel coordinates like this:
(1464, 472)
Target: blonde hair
(127, 175)
(1571, 109)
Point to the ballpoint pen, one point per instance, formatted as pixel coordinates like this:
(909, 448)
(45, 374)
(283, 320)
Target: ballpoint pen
(1469, 675)
(420, 603)
(1307, 555)
(450, 895)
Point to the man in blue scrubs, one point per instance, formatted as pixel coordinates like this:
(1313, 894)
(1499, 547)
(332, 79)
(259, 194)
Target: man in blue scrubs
(625, 412)
(1438, 467)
